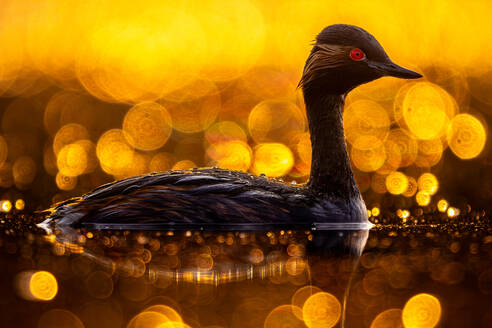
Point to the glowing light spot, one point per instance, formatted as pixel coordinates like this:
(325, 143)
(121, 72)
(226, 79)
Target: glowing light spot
(368, 153)
(148, 319)
(24, 170)
(390, 318)
(256, 256)
(300, 297)
(466, 136)
(321, 310)
(295, 266)
(72, 160)
(5, 206)
(452, 212)
(196, 114)
(228, 53)
(364, 118)
(161, 162)
(184, 165)
(375, 211)
(405, 214)
(425, 110)
(147, 126)
(233, 155)
(204, 262)
(275, 121)
(43, 286)
(421, 311)
(225, 131)
(428, 182)
(442, 205)
(19, 204)
(64, 182)
(396, 183)
(114, 153)
(400, 142)
(283, 316)
(378, 183)
(411, 188)
(423, 198)
(430, 152)
(69, 134)
(272, 159)
(59, 318)
(165, 310)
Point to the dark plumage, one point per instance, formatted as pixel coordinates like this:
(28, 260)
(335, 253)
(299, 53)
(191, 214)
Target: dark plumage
(342, 58)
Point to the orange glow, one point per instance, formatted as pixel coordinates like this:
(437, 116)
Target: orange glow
(364, 118)
(43, 286)
(114, 153)
(147, 126)
(183, 165)
(422, 310)
(300, 297)
(64, 182)
(72, 160)
(427, 110)
(423, 198)
(233, 155)
(442, 205)
(24, 170)
(272, 159)
(466, 136)
(5, 206)
(428, 182)
(36, 285)
(165, 310)
(19, 204)
(59, 318)
(283, 316)
(396, 183)
(368, 153)
(275, 121)
(147, 319)
(68, 134)
(321, 310)
(388, 319)
(411, 188)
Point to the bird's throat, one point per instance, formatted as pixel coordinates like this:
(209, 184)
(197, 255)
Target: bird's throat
(331, 174)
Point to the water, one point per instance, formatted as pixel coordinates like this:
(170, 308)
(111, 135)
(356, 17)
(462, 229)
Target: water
(431, 275)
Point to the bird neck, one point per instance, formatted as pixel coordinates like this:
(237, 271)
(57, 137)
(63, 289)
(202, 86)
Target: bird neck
(331, 174)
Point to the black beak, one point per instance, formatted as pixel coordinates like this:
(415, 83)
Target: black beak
(391, 69)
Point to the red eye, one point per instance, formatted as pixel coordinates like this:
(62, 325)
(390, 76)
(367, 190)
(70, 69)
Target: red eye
(357, 54)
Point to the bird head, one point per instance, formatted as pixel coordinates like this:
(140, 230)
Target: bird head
(345, 56)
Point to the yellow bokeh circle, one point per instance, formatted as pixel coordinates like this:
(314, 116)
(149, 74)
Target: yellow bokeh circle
(43, 286)
(466, 136)
(396, 183)
(428, 182)
(272, 159)
(321, 310)
(147, 126)
(421, 311)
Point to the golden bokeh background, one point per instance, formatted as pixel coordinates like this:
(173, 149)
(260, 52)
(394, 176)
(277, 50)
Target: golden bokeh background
(91, 92)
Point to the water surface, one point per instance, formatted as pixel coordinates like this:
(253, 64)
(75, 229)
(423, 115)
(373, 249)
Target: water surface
(429, 275)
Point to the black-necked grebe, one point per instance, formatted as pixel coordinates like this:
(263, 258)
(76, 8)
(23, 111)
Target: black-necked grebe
(342, 58)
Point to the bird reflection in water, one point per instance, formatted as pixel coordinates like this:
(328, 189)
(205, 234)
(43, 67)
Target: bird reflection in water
(238, 266)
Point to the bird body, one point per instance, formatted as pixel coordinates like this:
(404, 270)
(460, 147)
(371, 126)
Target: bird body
(205, 198)
(342, 58)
